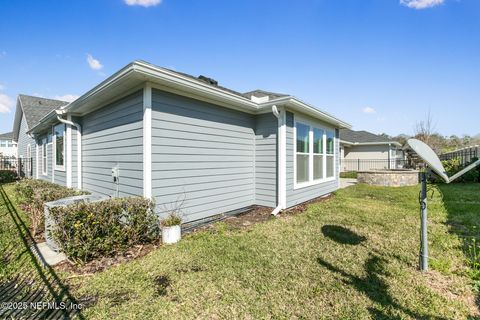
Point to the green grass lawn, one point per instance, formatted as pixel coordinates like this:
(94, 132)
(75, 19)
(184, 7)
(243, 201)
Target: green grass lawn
(353, 256)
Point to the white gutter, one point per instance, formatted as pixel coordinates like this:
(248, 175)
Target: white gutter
(396, 143)
(79, 147)
(281, 160)
(303, 107)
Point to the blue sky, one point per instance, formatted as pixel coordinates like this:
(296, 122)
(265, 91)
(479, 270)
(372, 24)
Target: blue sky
(377, 64)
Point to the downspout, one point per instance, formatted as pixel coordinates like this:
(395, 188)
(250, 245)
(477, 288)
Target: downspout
(79, 145)
(281, 160)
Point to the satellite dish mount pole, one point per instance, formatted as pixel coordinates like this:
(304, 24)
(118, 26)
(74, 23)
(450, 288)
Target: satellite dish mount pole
(423, 213)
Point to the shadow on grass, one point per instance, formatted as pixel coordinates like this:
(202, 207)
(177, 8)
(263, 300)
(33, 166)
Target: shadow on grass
(462, 202)
(374, 287)
(342, 235)
(35, 284)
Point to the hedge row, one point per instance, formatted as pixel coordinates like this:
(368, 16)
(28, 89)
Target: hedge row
(453, 166)
(7, 176)
(32, 196)
(86, 231)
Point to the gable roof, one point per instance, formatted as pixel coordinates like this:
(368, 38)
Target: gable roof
(137, 74)
(364, 137)
(34, 109)
(6, 136)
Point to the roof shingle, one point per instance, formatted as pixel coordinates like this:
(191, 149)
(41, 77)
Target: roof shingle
(361, 136)
(35, 108)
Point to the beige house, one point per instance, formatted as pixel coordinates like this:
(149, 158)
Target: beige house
(363, 150)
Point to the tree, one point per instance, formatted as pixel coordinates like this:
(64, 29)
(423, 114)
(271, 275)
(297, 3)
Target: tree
(424, 130)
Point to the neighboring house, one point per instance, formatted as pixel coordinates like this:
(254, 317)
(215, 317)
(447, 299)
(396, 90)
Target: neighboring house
(363, 150)
(161, 134)
(8, 148)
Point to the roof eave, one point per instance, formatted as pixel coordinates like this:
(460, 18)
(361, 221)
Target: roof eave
(299, 105)
(398, 144)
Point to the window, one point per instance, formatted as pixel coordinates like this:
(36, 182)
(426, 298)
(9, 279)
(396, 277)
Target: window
(318, 153)
(314, 154)
(59, 138)
(303, 146)
(44, 156)
(3, 143)
(330, 154)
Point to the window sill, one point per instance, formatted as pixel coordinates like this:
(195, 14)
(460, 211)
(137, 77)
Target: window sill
(59, 168)
(313, 183)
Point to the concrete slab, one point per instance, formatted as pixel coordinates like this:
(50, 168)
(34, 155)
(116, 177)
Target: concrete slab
(49, 256)
(347, 182)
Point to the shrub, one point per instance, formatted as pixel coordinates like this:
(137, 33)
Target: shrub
(453, 166)
(7, 176)
(34, 193)
(171, 220)
(348, 174)
(86, 231)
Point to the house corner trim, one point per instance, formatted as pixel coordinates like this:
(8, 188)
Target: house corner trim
(147, 141)
(69, 153)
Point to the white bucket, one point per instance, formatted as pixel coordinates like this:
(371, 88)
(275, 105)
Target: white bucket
(171, 235)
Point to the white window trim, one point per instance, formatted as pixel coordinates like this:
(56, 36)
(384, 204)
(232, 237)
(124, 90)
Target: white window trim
(44, 156)
(311, 181)
(54, 147)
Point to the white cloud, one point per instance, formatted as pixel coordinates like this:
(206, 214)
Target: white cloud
(66, 97)
(6, 103)
(368, 110)
(143, 3)
(93, 63)
(421, 4)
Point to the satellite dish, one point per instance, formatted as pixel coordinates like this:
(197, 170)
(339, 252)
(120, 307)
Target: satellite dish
(429, 156)
(432, 160)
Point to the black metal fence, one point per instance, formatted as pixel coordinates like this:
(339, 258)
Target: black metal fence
(373, 164)
(22, 166)
(465, 155)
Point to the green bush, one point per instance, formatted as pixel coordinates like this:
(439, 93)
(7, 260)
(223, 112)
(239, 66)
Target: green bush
(86, 231)
(7, 176)
(171, 220)
(32, 196)
(453, 166)
(349, 174)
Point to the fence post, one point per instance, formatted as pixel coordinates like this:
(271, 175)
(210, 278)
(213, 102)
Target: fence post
(358, 165)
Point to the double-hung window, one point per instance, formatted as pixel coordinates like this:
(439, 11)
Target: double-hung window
(314, 154)
(330, 154)
(303, 152)
(59, 146)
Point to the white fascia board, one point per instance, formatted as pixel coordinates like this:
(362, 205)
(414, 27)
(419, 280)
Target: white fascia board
(371, 143)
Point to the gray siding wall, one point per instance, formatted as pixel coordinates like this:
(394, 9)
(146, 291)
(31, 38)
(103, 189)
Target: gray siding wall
(296, 196)
(266, 127)
(113, 136)
(201, 153)
(23, 141)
